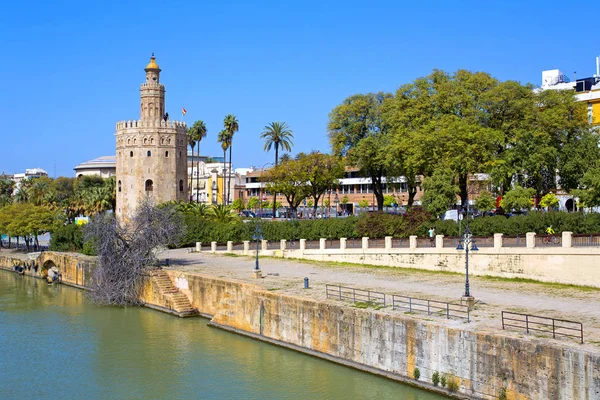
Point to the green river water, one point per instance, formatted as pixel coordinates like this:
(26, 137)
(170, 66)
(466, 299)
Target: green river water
(54, 344)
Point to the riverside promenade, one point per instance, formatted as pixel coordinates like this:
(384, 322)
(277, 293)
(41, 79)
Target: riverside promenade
(492, 295)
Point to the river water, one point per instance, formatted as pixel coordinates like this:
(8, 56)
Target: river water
(54, 344)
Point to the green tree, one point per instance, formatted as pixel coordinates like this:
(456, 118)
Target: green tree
(197, 132)
(589, 193)
(191, 138)
(231, 126)
(439, 192)
(388, 200)
(6, 190)
(276, 135)
(222, 214)
(287, 179)
(518, 198)
(549, 201)
(363, 203)
(238, 204)
(224, 139)
(485, 202)
(357, 131)
(321, 172)
(253, 203)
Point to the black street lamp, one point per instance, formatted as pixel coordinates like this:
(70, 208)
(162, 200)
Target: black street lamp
(464, 243)
(336, 201)
(258, 237)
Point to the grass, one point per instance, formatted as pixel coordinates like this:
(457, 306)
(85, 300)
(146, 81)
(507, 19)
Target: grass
(367, 304)
(231, 255)
(552, 285)
(273, 288)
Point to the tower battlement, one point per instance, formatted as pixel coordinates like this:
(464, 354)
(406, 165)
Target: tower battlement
(150, 123)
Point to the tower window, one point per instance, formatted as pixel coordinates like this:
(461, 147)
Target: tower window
(119, 186)
(181, 185)
(166, 154)
(179, 154)
(149, 153)
(131, 154)
(149, 185)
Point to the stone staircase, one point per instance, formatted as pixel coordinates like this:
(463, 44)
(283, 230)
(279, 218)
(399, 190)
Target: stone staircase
(178, 301)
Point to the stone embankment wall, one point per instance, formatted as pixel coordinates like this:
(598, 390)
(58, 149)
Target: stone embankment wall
(481, 363)
(392, 345)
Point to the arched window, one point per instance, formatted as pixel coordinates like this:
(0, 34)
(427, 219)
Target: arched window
(119, 186)
(149, 153)
(181, 185)
(166, 154)
(131, 154)
(179, 154)
(149, 185)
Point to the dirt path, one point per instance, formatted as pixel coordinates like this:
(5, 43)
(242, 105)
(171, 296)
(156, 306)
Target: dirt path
(493, 296)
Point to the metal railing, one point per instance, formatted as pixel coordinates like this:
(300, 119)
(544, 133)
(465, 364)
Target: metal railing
(536, 323)
(589, 240)
(376, 243)
(548, 240)
(400, 243)
(434, 307)
(514, 241)
(354, 295)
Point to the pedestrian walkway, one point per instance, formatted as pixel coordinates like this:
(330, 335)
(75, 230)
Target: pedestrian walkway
(492, 295)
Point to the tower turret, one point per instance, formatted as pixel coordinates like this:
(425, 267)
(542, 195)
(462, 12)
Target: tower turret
(152, 93)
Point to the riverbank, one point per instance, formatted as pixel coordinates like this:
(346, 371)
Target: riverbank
(387, 342)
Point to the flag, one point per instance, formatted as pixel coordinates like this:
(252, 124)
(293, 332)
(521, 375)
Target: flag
(183, 111)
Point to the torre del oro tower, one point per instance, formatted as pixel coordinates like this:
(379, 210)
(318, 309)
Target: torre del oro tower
(151, 151)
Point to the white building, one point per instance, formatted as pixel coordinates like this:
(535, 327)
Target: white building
(105, 167)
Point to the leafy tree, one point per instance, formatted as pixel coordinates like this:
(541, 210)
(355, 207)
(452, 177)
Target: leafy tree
(277, 134)
(252, 203)
(363, 203)
(485, 202)
(388, 200)
(321, 172)
(549, 201)
(439, 192)
(232, 125)
(358, 131)
(589, 194)
(518, 198)
(6, 190)
(238, 204)
(288, 179)
(195, 135)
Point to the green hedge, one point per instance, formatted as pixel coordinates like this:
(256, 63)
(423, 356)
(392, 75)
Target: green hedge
(70, 238)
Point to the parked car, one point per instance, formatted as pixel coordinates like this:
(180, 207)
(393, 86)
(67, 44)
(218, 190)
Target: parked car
(247, 213)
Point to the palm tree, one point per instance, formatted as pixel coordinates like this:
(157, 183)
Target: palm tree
(198, 132)
(231, 126)
(225, 143)
(277, 134)
(192, 144)
(223, 214)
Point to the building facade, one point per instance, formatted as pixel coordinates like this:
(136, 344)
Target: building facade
(151, 152)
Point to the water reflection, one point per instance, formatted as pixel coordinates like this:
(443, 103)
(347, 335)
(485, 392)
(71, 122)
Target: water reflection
(57, 345)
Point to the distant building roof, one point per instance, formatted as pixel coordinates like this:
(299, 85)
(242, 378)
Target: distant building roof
(100, 162)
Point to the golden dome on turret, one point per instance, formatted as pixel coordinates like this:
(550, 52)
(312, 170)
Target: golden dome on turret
(152, 64)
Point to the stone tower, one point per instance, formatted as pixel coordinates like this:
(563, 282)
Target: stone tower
(151, 152)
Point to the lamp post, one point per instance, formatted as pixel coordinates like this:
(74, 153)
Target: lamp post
(464, 243)
(258, 237)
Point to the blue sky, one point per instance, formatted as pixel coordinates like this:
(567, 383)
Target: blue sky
(70, 70)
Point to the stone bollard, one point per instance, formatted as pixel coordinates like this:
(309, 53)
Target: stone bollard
(322, 243)
(263, 245)
(246, 247)
(198, 247)
(498, 240)
(365, 243)
(530, 240)
(302, 245)
(213, 247)
(343, 243)
(229, 246)
(282, 244)
(567, 239)
(412, 241)
(439, 241)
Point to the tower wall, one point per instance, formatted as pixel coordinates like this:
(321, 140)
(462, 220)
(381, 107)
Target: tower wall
(150, 151)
